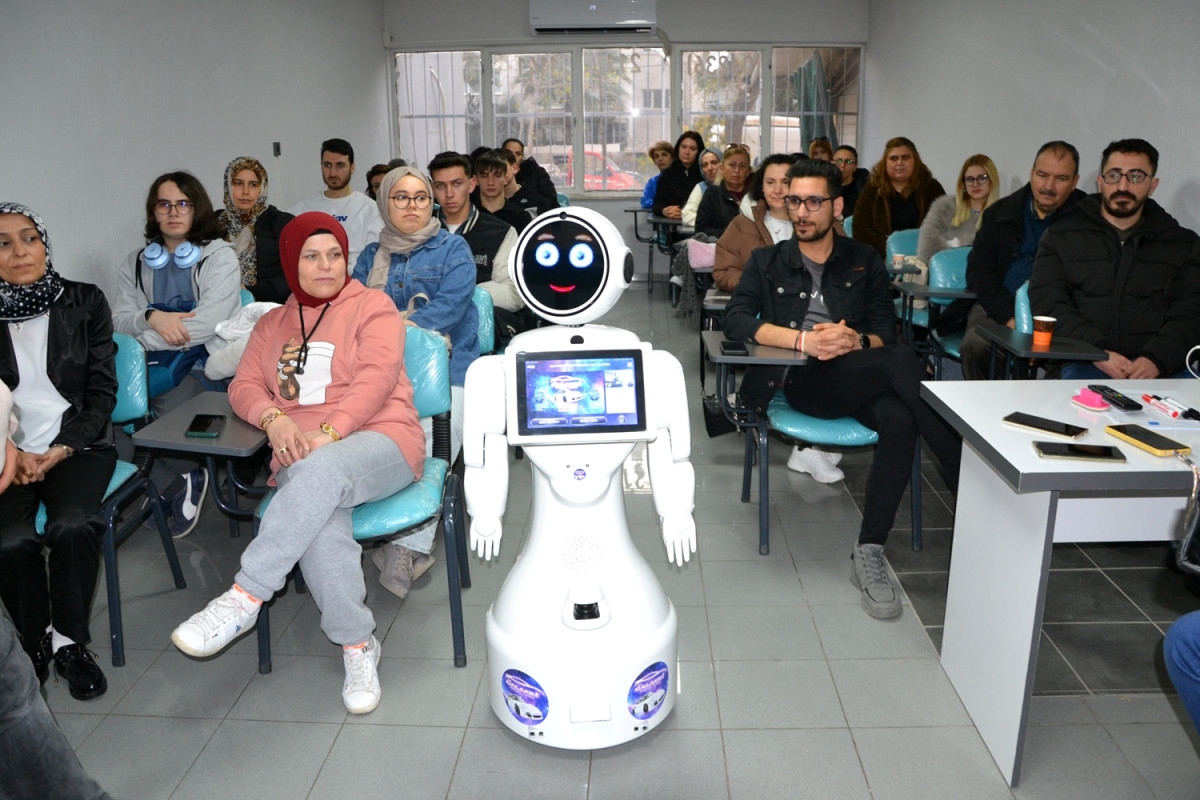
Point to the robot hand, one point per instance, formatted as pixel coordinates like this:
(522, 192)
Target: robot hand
(679, 535)
(485, 537)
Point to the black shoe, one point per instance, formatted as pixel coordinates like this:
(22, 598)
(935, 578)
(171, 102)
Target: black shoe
(41, 658)
(78, 666)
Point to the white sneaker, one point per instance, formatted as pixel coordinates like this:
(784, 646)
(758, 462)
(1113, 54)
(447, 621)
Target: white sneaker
(224, 619)
(821, 465)
(361, 691)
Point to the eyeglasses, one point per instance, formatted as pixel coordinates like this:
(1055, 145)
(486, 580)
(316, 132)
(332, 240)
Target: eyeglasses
(1134, 176)
(184, 207)
(403, 201)
(811, 203)
(971, 180)
(844, 161)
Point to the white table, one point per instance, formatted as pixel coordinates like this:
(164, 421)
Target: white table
(1013, 505)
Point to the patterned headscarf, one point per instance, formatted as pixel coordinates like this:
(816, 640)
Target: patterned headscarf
(391, 238)
(239, 225)
(19, 303)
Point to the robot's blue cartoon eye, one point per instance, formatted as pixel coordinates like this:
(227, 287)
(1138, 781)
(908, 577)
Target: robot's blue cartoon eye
(581, 256)
(547, 254)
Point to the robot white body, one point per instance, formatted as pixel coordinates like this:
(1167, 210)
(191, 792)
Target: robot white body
(582, 639)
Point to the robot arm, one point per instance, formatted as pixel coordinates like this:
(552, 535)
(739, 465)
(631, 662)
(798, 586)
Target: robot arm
(672, 478)
(485, 453)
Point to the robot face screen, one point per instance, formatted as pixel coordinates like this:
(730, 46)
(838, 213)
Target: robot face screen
(565, 266)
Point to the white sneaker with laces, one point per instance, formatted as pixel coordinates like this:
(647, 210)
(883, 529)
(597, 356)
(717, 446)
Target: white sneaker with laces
(361, 691)
(821, 465)
(210, 630)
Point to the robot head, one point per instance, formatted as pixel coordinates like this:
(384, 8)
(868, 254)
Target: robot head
(570, 265)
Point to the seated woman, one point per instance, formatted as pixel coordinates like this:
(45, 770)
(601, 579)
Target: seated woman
(416, 256)
(820, 150)
(897, 196)
(953, 220)
(57, 356)
(324, 377)
(662, 155)
(720, 206)
(676, 181)
(710, 175)
(854, 177)
(170, 295)
(254, 227)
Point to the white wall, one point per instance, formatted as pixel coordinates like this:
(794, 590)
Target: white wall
(101, 97)
(1002, 78)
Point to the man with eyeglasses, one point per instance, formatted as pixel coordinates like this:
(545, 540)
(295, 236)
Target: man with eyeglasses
(357, 212)
(828, 296)
(1001, 257)
(1122, 274)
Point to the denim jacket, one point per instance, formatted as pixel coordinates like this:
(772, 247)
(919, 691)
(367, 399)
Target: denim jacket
(444, 269)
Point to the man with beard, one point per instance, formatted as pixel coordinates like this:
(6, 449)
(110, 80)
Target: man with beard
(358, 213)
(828, 297)
(1001, 259)
(1122, 274)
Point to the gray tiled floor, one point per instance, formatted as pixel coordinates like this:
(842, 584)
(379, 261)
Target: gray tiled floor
(789, 689)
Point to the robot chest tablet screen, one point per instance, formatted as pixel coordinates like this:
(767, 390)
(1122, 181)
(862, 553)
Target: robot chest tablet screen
(578, 393)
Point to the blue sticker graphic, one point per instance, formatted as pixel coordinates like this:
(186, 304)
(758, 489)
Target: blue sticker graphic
(524, 697)
(648, 691)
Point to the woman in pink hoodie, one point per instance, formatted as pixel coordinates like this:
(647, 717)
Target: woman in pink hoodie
(324, 376)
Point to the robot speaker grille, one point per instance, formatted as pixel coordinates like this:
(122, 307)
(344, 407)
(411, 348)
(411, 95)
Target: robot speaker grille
(582, 554)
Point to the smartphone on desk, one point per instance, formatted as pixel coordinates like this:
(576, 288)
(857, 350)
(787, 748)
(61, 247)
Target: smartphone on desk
(206, 426)
(732, 348)
(1148, 440)
(1043, 425)
(1079, 452)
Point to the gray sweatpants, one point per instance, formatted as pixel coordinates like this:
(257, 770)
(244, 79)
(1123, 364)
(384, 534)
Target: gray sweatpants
(309, 521)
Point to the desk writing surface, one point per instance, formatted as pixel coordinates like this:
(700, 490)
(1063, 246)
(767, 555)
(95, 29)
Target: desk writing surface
(976, 410)
(237, 439)
(1021, 344)
(756, 354)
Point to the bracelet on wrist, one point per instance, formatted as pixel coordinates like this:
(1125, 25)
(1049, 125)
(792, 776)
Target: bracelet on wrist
(270, 417)
(67, 450)
(328, 429)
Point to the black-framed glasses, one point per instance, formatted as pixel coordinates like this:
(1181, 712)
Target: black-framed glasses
(184, 207)
(971, 180)
(845, 161)
(811, 203)
(1134, 176)
(403, 201)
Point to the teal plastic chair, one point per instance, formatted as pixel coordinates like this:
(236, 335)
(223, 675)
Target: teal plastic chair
(563, 200)
(247, 297)
(947, 270)
(128, 481)
(427, 363)
(1023, 311)
(901, 243)
(486, 334)
(848, 225)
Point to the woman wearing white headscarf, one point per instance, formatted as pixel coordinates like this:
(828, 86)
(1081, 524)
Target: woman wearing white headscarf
(254, 226)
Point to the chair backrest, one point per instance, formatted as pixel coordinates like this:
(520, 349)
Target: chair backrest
(486, 332)
(902, 243)
(247, 297)
(563, 200)
(133, 389)
(1023, 312)
(948, 270)
(847, 225)
(427, 364)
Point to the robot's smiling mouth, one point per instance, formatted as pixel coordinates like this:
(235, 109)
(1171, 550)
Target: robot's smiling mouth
(562, 289)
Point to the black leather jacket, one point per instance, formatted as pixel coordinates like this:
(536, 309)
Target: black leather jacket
(80, 362)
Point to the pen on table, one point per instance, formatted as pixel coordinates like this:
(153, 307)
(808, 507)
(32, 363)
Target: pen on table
(1160, 405)
(1187, 412)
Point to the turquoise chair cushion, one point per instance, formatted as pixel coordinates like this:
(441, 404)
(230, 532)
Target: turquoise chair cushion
(563, 200)
(1023, 312)
(920, 316)
(427, 365)
(247, 297)
(902, 243)
(948, 270)
(951, 344)
(133, 389)
(486, 334)
(411, 505)
(121, 473)
(848, 225)
(841, 432)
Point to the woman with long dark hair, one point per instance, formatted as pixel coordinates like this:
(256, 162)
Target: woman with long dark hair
(677, 181)
(897, 196)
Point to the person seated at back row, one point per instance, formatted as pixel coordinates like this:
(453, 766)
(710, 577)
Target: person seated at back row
(662, 155)
(676, 181)
(710, 176)
(253, 226)
(533, 189)
(721, 204)
(897, 197)
(416, 256)
(953, 219)
(495, 171)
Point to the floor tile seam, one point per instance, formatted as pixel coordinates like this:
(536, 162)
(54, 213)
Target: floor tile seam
(1125, 594)
(1099, 622)
(1066, 660)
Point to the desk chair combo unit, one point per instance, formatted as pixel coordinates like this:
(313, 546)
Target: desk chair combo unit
(438, 492)
(947, 283)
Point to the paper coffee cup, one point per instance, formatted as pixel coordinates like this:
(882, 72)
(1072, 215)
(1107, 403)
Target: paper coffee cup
(1043, 331)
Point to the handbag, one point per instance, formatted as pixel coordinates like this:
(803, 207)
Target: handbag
(715, 421)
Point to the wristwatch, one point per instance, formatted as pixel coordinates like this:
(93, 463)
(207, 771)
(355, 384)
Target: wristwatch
(865, 341)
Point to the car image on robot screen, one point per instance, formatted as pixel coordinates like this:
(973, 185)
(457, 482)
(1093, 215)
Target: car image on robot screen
(581, 392)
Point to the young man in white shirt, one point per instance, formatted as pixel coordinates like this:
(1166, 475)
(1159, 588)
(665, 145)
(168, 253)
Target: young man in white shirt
(358, 213)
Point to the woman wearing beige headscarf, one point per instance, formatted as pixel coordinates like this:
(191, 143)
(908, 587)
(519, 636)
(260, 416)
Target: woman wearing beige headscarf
(254, 227)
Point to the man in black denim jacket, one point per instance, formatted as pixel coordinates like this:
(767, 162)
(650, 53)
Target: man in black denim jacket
(828, 296)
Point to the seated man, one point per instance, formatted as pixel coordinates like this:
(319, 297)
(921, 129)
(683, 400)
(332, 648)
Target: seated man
(495, 172)
(536, 191)
(490, 238)
(1122, 274)
(828, 297)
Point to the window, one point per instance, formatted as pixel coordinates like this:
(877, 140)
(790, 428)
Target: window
(619, 124)
(722, 92)
(531, 101)
(438, 103)
(816, 94)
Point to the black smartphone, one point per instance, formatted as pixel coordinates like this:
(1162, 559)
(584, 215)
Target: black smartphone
(731, 348)
(1148, 440)
(1078, 452)
(206, 426)
(1043, 425)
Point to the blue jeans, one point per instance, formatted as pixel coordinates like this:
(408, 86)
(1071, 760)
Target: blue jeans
(1181, 650)
(1088, 371)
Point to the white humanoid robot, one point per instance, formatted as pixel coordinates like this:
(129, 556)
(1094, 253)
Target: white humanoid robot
(581, 640)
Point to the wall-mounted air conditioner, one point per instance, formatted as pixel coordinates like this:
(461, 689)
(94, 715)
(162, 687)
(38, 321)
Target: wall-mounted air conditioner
(592, 16)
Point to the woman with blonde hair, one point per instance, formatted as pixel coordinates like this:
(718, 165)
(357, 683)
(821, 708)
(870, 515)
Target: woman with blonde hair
(953, 219)
(897, 196)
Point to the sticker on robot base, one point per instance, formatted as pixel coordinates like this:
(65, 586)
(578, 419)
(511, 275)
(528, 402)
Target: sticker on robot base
(648, 691)
(524, 697)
